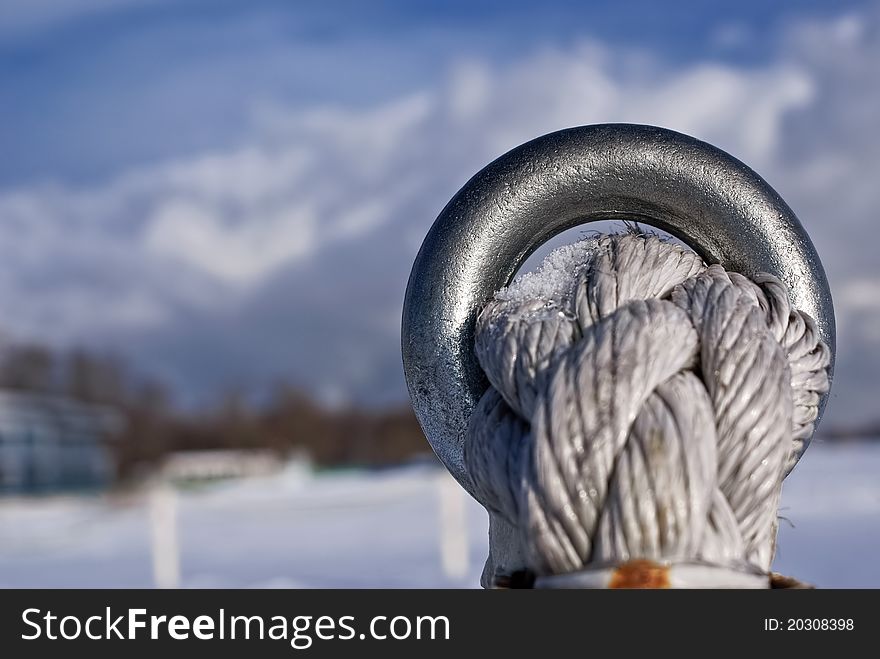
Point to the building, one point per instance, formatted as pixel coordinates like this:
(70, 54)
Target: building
(52, 443)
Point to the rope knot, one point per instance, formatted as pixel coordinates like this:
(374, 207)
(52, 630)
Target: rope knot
(642, 406)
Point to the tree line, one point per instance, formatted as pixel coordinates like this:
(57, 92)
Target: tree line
(286, 420)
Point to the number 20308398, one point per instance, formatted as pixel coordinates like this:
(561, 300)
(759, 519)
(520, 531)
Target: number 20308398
(809, 624)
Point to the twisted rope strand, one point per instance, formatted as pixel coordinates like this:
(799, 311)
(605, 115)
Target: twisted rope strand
(642, 406)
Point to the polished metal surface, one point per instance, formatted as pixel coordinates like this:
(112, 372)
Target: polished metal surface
(710, 200)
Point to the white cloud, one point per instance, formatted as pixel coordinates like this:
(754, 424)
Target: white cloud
(187, 231)
(27, 16)
(205, 233)
(860, 294)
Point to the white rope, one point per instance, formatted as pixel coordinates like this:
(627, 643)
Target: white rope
(643, 406)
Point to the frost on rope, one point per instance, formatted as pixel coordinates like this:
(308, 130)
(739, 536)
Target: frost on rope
(555, 277)
(643, 405)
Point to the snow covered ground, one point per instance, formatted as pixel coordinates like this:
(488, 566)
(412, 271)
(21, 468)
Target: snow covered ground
(377, 529)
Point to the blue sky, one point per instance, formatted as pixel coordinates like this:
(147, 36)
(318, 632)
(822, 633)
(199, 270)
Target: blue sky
(93, 86)
(232, 193)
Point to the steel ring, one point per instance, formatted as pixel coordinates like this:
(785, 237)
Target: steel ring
(707, 198)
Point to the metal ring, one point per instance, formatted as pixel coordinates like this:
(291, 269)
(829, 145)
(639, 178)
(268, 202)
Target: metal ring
(710, 200)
